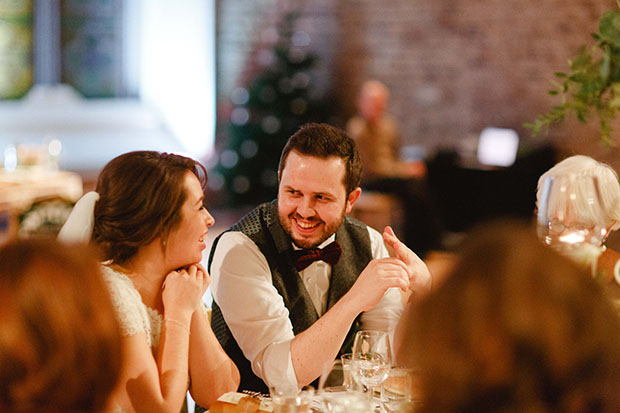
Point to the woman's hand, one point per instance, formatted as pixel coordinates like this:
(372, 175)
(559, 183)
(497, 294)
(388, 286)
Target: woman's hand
(206, 279)
(183, 290)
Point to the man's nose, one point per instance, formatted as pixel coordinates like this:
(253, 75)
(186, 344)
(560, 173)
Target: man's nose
(305, 208)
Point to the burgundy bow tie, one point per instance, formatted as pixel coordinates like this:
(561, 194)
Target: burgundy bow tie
(330, 254)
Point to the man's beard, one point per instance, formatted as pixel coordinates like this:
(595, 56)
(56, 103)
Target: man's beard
(327, 231)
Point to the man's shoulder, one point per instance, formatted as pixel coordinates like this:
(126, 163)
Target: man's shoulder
(243, 234)
(252, 222)
(353, 222)
(376, 238)
(390, 123)
(353, 225)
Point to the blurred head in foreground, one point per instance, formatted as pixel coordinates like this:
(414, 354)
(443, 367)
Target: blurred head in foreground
(515, 328)
(59, 341)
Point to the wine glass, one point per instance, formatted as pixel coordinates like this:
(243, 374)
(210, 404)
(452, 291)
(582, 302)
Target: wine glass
(371, 359)
(570, 214)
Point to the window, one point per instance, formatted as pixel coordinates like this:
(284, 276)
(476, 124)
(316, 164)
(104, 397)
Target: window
(155, 55)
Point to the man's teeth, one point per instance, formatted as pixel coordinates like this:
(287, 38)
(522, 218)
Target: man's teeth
(201, 239)
(305, 225)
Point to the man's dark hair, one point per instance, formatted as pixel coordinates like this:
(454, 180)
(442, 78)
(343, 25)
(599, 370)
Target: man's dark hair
(323, 141)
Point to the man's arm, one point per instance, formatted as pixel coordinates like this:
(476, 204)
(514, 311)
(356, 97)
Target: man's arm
(420, 280)
(385, 315)
(320, 343)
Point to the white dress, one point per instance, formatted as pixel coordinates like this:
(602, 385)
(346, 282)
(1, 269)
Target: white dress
(133, 315)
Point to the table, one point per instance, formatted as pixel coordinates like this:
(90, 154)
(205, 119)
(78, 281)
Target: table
(21, 188)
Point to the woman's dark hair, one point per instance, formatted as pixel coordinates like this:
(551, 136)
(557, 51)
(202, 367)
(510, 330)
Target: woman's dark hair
(141, 194)
(60, 345)
(323, 141)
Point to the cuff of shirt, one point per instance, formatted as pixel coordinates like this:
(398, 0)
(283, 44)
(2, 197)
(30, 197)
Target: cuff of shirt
(275, 365)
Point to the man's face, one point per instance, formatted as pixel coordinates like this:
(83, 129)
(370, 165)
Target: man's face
(372, 105)
(312, 199)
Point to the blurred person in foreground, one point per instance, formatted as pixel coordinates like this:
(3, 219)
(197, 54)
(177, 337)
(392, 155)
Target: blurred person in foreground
(378, 140)
(514, 328)
(148, 218)
(602, 261)
(60, 347)
(295, 278)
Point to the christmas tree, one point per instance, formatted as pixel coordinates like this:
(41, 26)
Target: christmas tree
(277, 100)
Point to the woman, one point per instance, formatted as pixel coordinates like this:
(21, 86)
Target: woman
(514, 328)
(150, 223)
(603, 262)
(59, 340)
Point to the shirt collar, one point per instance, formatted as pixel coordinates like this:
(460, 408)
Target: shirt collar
(321, 245)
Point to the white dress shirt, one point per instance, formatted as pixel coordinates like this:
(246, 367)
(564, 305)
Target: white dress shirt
(255, 312)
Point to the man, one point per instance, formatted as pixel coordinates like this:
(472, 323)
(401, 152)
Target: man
(281, 319)
(376, 135)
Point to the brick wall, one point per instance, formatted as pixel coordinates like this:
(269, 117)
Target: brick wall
(453, 66)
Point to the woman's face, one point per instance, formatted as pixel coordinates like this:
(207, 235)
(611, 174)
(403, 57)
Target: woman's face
(187, 241)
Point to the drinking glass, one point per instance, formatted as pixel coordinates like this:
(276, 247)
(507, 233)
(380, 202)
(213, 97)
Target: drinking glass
(338, 401)
(333, 376)
(372, 359)
(289, 399)
(349, 383)
(396, 390)
(335, 396)
(570, 213)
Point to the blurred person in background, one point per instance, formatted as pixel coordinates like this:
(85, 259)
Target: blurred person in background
(149, 220)
(515, 327)
(60, 347)
(378, 140)
(603, 262)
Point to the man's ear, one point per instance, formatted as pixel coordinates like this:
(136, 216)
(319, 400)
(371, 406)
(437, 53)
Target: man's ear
(353, 196)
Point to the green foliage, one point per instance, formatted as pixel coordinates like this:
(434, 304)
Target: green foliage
(592, 86)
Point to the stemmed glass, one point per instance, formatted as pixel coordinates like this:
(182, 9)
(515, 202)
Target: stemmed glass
(570, 214)
(371, 359)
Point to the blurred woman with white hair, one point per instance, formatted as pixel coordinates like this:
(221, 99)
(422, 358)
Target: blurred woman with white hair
(603, 262)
